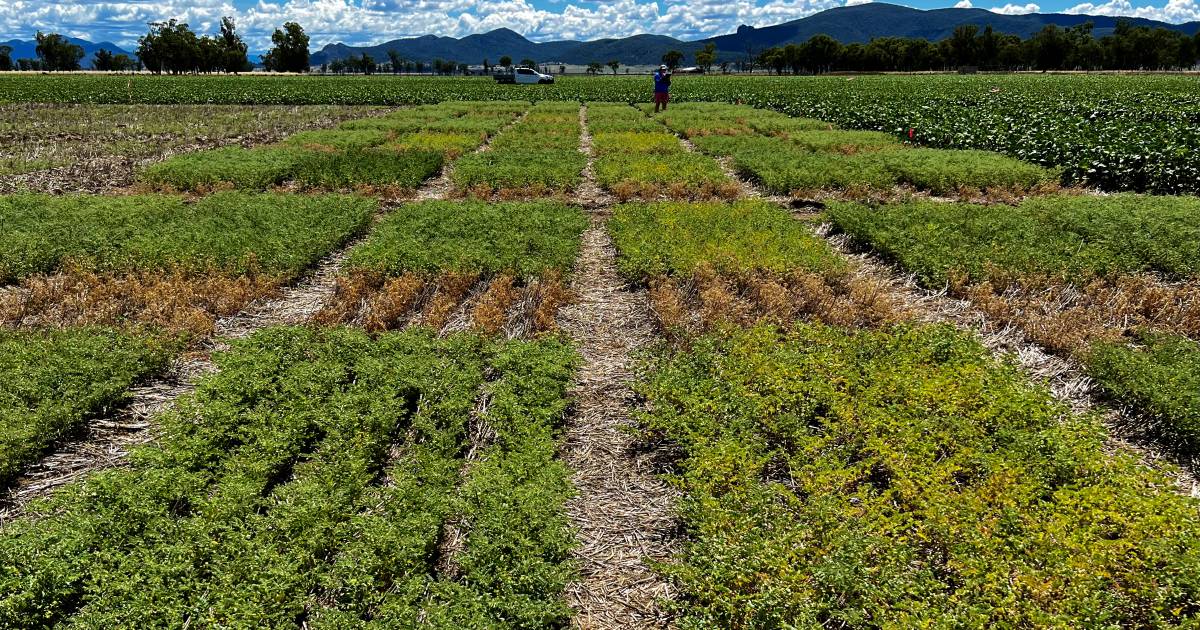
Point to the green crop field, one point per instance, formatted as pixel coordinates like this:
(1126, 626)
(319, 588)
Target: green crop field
(868, 352)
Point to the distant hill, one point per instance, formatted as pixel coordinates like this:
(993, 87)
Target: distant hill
(28, 49)
(864, 22)
(859, 23)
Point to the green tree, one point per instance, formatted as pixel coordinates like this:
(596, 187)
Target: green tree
(964, 45)
(614, 64)
(506, 61)
(1050, 48)
(290, 53)
(396, 60)
(57, 53)
(672, 58)
(594, 67)
(821, 53)
(122, 63)
(233, 49)
(705, 58)
(529, 63)
(6, 61)
(169, 47)
(103, 60)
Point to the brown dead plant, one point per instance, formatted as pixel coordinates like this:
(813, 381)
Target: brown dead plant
(178, 301)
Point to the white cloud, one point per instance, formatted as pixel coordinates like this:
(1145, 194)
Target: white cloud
(374, 21)
(1174, 11)
(852, 3)
(964, 4)
(1016, 9)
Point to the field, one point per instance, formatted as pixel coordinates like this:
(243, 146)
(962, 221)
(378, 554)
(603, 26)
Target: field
(451, 354)
(1133, 133)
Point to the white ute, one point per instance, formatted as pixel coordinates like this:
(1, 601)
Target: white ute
(523, 76)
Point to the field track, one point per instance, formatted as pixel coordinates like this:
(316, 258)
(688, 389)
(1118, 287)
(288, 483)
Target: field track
(623, 511)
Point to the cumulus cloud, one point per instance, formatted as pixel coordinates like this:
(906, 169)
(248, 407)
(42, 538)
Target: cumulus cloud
(964, 4)
(1174, 11)
(373, 21)
(1016, 9)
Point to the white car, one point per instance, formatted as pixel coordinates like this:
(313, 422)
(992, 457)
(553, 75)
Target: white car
(524, 76)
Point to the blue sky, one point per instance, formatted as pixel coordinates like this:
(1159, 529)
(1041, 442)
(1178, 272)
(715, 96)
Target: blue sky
(374, 21)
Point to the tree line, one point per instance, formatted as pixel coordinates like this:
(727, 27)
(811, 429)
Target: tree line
(1129, 47)
(171, 47)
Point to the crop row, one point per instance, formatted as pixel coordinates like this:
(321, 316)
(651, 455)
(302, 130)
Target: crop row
(53, 382)
(901, 475)
(537, 156)
(802, 157)
(1114, 132)
(161, 260)
(397, 151)
(712, 264)
(1111, 280)
(501, 264)
(232, 232)
(904, 477)
(40, 136)
(636, 158)
(308, 482)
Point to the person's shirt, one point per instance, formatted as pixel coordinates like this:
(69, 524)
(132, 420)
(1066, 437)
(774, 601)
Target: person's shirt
(662, 81)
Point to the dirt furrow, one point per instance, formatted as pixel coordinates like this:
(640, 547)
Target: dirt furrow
(624, 511)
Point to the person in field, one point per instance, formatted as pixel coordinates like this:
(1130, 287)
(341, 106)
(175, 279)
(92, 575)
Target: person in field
(662, 88)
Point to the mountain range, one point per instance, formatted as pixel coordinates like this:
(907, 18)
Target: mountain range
(852, 24)
(22, 49)
(859, 23)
